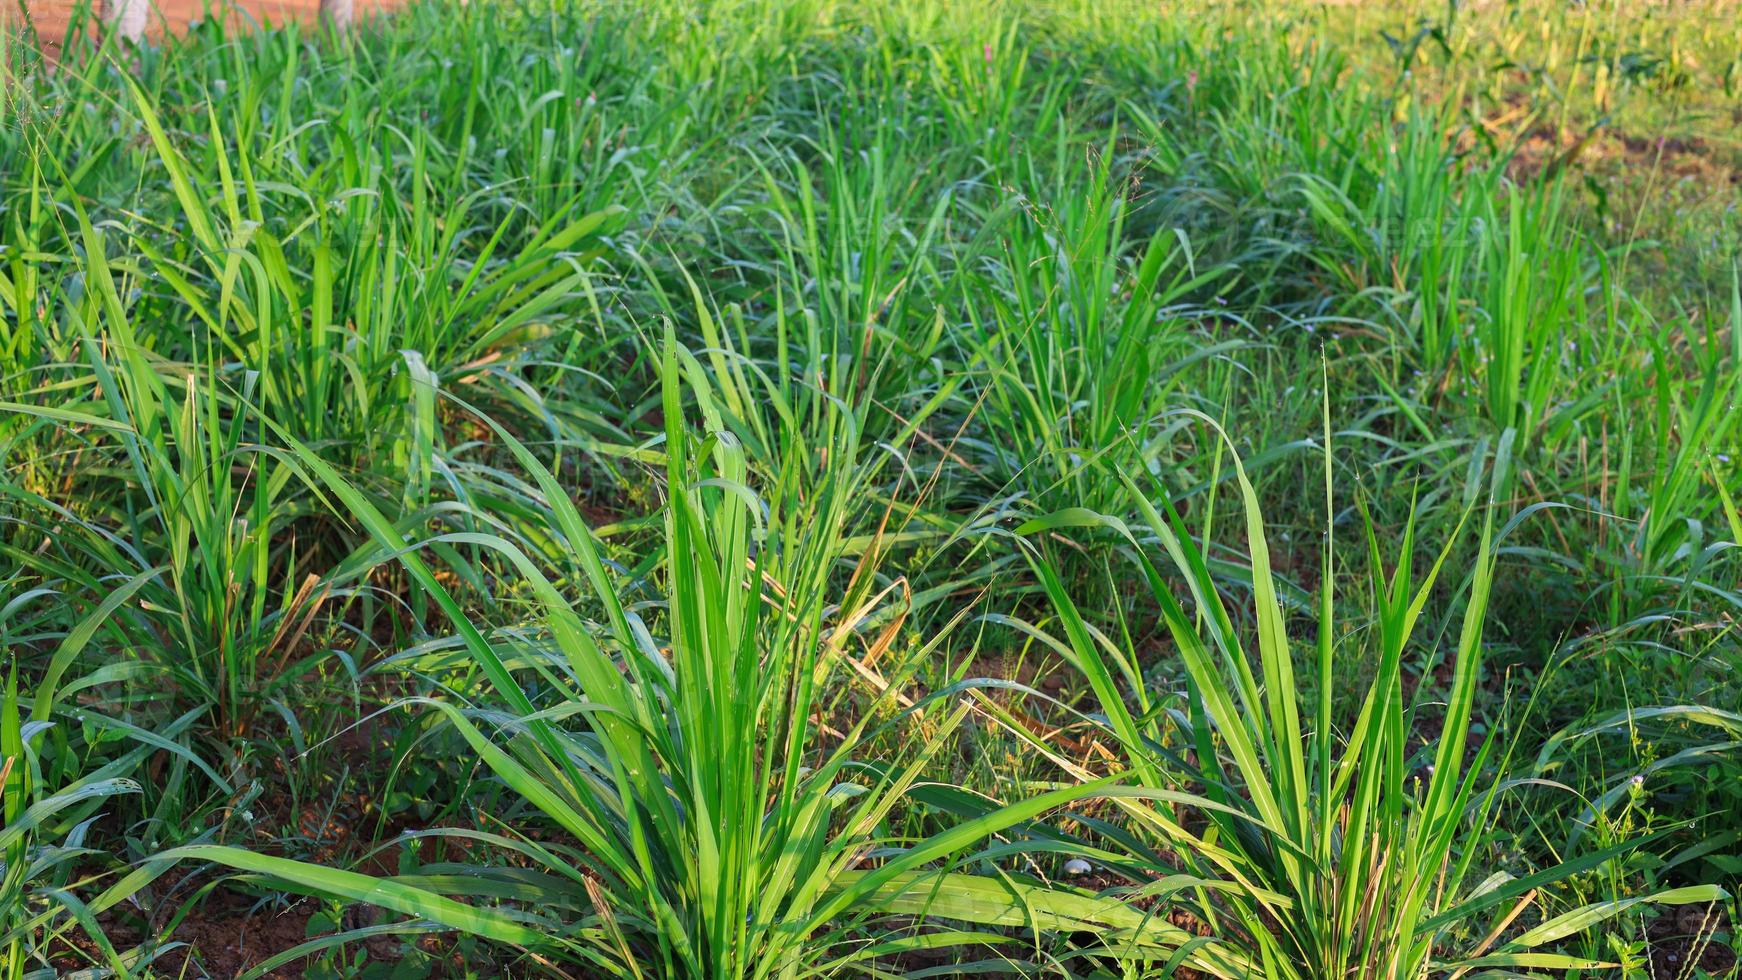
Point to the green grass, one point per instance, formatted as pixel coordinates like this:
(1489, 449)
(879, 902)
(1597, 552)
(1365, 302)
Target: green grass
(777, 489)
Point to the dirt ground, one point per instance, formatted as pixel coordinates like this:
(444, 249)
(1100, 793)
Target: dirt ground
(51, 17)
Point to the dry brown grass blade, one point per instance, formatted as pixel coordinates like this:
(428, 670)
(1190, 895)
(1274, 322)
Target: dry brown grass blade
(288, 636)
(1497, 931)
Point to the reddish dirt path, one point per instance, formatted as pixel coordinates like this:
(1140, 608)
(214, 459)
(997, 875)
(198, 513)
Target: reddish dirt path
(51, 16)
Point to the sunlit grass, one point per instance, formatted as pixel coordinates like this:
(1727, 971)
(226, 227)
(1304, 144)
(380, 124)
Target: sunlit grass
(688, 485)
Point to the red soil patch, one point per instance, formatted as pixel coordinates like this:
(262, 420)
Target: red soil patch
(52, 17)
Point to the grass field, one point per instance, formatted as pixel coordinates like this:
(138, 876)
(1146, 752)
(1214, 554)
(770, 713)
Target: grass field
(768, 489)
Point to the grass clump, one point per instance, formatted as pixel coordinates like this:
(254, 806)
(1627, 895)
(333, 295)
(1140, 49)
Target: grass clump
(560, 489)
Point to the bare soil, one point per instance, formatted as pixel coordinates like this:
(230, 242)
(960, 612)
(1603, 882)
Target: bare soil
(51, 18)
